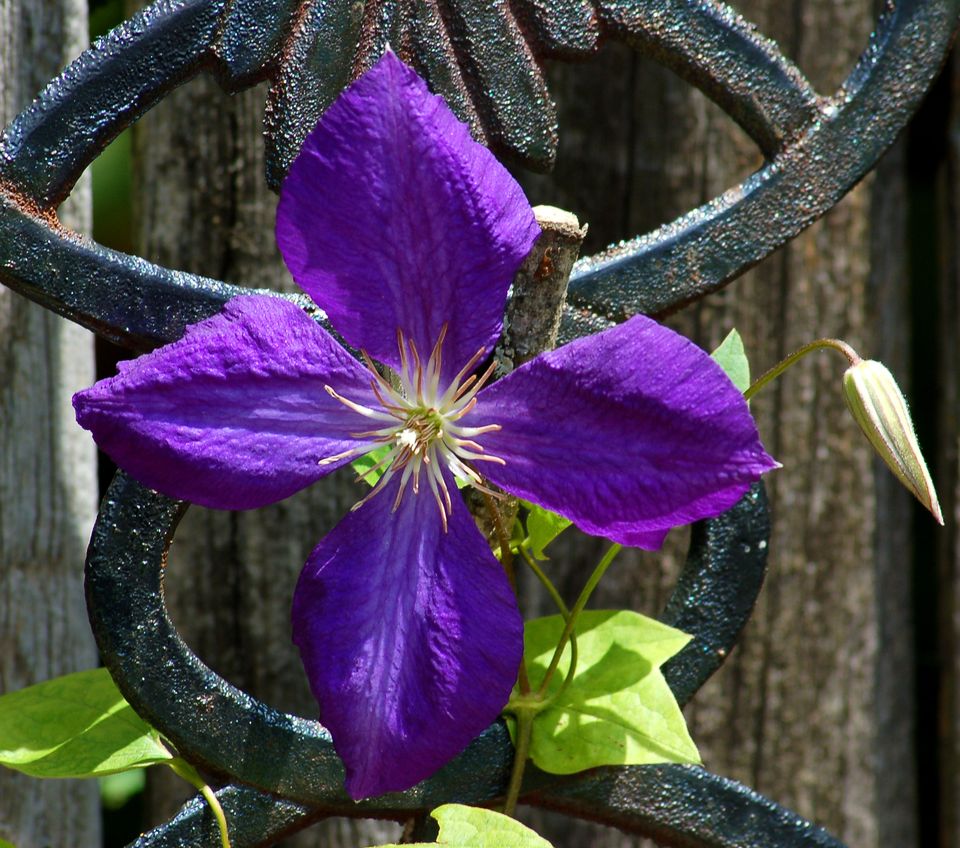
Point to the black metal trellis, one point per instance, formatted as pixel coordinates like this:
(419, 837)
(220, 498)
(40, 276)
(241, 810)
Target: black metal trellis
(485, 58)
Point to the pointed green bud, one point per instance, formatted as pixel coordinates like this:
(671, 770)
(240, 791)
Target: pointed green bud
(880, 409)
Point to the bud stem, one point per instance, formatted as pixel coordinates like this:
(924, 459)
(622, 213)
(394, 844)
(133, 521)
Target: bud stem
(186, 771)
(851, 355)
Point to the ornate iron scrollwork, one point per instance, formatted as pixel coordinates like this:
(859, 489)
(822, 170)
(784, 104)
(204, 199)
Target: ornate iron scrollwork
(486, 58)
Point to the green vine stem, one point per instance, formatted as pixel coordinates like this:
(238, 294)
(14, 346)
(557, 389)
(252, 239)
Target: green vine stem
(183, 769)
(565, 612)
(544, 580)
(581, 602)
(852, 356)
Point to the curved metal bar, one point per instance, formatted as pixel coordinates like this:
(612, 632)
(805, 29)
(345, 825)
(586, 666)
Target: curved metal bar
(48, 145)
(254, 820)
(683, 806)
(122, 298)
(577, 322)
(253, 37)
(46, 149)
(506, 81)
(316, 66)
(710, 46)
(705, 249)
(567, 30)
(716, 590)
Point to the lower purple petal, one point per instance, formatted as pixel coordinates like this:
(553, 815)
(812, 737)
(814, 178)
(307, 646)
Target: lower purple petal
(234, 415)
(410, 636)
(627, 433)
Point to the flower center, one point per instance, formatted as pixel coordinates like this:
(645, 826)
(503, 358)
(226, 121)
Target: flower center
(421, 426)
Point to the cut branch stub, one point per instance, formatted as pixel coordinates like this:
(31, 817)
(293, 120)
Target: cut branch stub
(539, 292)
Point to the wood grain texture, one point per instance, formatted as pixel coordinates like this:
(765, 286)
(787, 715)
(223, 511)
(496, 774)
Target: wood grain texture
(47, 463)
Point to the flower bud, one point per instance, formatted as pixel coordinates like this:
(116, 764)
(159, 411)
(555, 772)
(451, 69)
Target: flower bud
(880, 409)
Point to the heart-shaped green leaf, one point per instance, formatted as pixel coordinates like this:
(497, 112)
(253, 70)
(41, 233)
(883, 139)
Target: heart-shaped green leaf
(78, 725)
(618, 710)
(473, 827)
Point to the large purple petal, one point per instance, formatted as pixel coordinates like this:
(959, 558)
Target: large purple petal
(410, 636)
(628, 433)
(234, 415)
(392, 217)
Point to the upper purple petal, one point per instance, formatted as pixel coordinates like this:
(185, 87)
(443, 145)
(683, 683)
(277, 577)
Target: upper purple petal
(234, 415)
(627, 433)
(392, 217)
(410, 636)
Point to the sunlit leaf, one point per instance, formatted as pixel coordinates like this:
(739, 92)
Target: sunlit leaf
(473, 827)
(618, 710)
(78, 725)
(363, 465)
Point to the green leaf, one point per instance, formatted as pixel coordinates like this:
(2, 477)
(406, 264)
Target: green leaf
(474, 827)
(731, 357)
(618, 710)
(75, 726)
(543, 527)
(5, 844)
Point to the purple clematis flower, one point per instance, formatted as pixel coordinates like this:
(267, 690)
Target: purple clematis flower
(407, 233)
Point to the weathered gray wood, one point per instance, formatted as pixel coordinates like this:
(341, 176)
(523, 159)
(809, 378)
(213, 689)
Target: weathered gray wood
(48, 481)
(814, 708)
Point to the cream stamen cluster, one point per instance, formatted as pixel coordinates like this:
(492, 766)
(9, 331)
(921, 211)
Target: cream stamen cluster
(420, 424)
